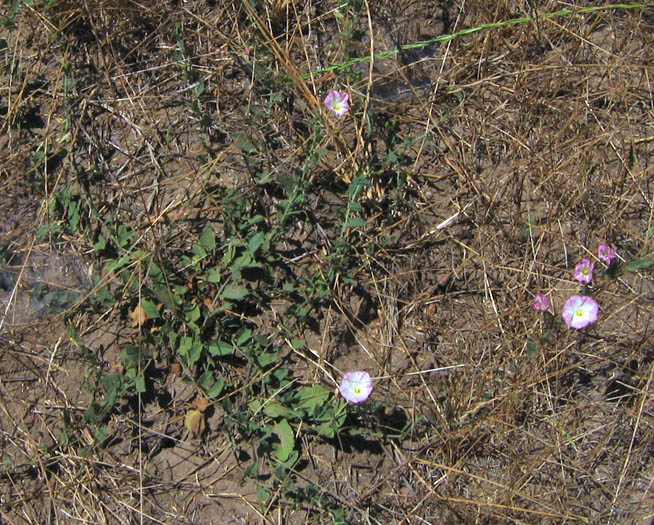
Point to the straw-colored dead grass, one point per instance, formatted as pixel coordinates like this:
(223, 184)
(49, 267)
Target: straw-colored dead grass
(541, 137)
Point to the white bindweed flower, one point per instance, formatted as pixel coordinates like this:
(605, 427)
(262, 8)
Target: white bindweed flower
(337, 101)
(584, 271)
(579, 311)
(356, 386)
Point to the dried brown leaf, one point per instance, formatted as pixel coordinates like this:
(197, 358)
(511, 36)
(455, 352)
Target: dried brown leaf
(201, 404)
(138, 316)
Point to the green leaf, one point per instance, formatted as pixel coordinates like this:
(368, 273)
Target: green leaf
(242, 261)
(216, 389)
(195, 352)
(180, 289)
(193, 314)
(355, 207)
(213, 275)
(532, 348)
(190, 349)
(93, 413)
(282, 470)
(102, 295)
(150, 309)
(208, 238)
(254, 406)
(275, 409)
(100, 434)
(287, 182)
(243, 142)
(166, 297)
(358, 182)
(265, 359)
(205, 380)
(48, 229)
(101, 244)
(276, 97)
(252, 471)
(113, 388)
(356, 222)
(255, 243)
(199, 252)
(327, 430)
(117, 263)
(286, 440)
(244, 335)
(311, 397)
(155, 273)
(131, 356)
(220, 348)
(264, 177)
(640, 264)
(234, 292)
(139, 383)
(392, 157)
(73, 215)
(263, 495)
(124, 235)
(281, 374)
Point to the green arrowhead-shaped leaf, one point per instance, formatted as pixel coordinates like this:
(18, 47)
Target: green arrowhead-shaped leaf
(326, 429)
(208, 238)
(275, 409)
(286, 440)
(356, 222)
(150, 309)
(216, 389)
(213, 275)
(234, 292)
(220, 348)
(115, 264)
(640, 264)
(101, 244)
(255, 243)
(310, 397)
(254, 406)
(166, 297)
(243, 141)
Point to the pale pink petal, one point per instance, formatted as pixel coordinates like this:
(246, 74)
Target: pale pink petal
(337, 102)
(606, 253)
(356, 386)
(542, 302)
(584, 271)
(579, 311)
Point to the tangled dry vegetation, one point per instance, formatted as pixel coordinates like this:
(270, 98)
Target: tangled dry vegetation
(132, 131)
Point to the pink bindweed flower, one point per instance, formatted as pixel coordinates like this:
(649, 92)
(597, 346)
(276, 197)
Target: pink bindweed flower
(356, 386)
(584, 271)
(579, 311)
(606, 253)
(542, 302)
(337, 101)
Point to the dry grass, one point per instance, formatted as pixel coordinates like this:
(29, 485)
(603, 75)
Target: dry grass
(539, 135)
